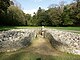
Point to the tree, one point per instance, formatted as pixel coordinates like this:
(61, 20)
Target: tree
(54, 14)
(77, 3)
(62, 5)
(28, 19)
(78, 11)
(4, 4)
(15, 16)
(66, 20)
(44, 19)
(75, 11)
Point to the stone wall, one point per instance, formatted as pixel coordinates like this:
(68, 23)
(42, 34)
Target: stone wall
(64, 41)
(15, 39)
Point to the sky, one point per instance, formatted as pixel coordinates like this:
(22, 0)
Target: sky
(31, 6)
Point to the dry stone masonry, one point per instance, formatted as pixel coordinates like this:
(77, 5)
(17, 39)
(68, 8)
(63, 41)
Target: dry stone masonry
(12, 40)
(65, 41)
(15, 39)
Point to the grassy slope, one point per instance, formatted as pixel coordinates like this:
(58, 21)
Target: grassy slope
(23, 27)
(66, 28)
(24, 55)
(70, 29)
(4, 28)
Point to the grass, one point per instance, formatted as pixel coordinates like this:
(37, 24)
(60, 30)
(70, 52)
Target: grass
(24, 55)
(4, 28)
(71, 29)
(29, 27)
(66, 28)
(29, 54)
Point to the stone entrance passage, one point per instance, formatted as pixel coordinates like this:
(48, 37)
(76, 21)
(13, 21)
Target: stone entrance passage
(43, 40)
(42, 45)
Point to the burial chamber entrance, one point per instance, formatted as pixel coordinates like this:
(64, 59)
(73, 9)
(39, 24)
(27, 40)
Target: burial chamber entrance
(29, 40)
(41, 41)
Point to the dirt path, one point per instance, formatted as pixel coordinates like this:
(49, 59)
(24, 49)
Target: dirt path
(42, 46)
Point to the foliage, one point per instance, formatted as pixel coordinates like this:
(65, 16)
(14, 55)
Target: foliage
(56, 15)
(15, 16)
(4, 4)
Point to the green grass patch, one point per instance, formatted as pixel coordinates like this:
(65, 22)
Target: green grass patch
(66, 28)
(24, 55)
(72, 29)
(29, 27)
(4, 28)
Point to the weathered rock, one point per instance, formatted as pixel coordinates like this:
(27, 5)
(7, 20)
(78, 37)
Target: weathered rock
(12, 40)
(70, 41)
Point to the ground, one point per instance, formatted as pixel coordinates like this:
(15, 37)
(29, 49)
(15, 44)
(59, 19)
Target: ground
(40, 49)
(42, 46)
